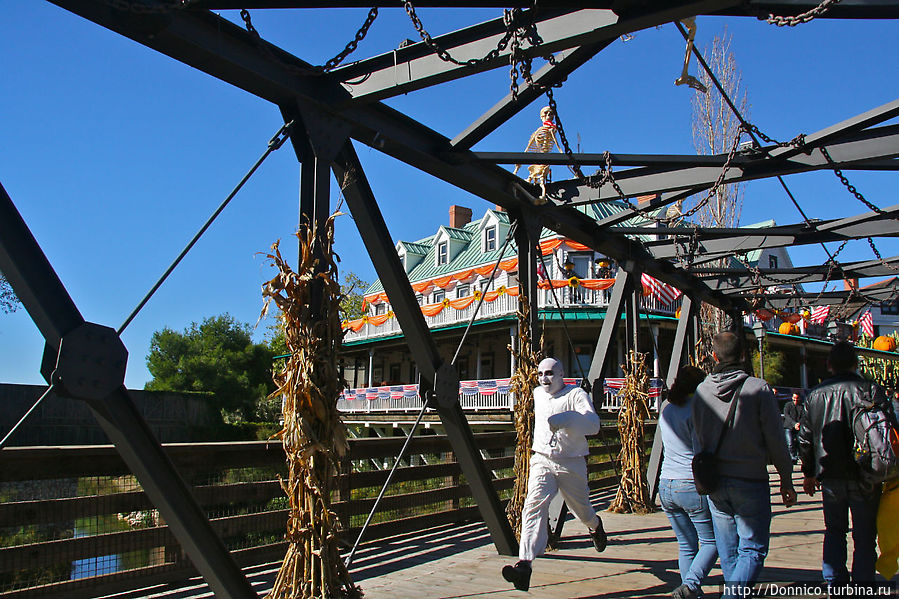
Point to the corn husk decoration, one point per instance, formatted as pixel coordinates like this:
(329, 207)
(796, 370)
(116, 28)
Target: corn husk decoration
(633, 492)
(314, 438)
(522, 384)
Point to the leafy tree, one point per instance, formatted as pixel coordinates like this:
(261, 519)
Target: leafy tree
(216, 356)
(352, 289)
(775, 365)
(8, 300)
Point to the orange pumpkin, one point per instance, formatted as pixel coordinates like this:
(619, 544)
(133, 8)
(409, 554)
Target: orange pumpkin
(788, 328)
(885, 343)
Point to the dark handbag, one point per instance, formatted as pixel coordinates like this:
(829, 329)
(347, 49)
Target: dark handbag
(705, 464)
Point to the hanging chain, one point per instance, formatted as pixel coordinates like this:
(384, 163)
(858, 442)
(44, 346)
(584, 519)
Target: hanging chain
(847, 184)
(879, 257)
(330, 64)
(444, 55)
(804, 17)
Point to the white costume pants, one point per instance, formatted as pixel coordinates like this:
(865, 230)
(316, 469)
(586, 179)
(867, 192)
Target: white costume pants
(567, 476)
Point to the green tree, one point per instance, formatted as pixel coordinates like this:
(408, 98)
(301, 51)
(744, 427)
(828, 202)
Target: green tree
(8, 300)
(775, 365)
(352, 289)
(217, 356)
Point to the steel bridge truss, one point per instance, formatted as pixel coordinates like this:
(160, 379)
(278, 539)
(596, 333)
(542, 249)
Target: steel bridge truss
(332, 111)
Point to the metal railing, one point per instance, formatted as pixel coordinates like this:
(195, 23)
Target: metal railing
(474, 396)
(74, 522)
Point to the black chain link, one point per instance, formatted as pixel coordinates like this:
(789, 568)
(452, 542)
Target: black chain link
(317, 70)
(879, 257)
(804, 17)
(847, 184)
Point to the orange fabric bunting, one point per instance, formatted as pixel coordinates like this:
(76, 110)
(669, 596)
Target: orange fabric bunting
(380, 319)
(509, 265)
(421, 286)
(597, 284)
(549, 245)
(465, 274)
(443, 282)
(484, 271)
(462, 302)
(354, 325)
(513, 291)
(491, 295)
(432, 309)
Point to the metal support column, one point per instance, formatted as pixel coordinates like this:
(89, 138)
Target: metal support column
(622, 289)
(90, 365)
(439, 380)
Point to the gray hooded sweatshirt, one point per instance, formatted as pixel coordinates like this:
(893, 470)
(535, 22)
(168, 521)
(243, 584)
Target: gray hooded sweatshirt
(756, 436)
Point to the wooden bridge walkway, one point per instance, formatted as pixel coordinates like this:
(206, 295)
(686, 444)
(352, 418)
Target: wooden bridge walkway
(457, 562)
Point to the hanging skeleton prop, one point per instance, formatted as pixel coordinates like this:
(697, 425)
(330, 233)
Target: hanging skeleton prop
(542, 140)
(685, 78)
(523, 383)
(633, 492)
(314, 438)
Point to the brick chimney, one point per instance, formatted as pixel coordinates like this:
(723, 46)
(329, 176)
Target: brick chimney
(850, 284)
(459, 216)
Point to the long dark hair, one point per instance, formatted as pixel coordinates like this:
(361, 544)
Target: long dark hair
(688, 378)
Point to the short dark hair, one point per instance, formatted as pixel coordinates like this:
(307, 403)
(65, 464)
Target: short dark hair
(727, 346)
(688, 378)
(843, 357)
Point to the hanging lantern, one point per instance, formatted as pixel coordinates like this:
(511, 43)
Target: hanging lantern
(788, 328)
(885, 343)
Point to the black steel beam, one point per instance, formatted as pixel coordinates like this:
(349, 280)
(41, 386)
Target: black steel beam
(872, 144)
(226, 51)
(45, 298)
(437, 376)
(566, 63)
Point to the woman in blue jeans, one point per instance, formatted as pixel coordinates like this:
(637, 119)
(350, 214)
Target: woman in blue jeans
(687, 510)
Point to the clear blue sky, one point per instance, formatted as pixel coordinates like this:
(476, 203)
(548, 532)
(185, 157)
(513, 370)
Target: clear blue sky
(115, 154)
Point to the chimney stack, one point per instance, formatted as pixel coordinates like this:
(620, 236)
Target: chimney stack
(459, 216)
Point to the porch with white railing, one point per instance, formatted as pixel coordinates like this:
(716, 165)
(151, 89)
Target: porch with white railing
(505, 305)
(474, 396)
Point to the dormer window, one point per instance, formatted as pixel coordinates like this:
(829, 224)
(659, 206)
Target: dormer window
(442, 253)
(490, 239)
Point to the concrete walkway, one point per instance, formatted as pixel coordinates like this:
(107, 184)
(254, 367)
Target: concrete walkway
(641, 561)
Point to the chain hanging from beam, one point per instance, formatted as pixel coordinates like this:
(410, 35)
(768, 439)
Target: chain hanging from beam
(802, 18)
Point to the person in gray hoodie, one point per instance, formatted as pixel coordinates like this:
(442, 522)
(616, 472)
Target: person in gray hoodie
(741, 503)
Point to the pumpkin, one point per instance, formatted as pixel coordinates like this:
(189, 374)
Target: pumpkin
(885, 343)
(788, 328)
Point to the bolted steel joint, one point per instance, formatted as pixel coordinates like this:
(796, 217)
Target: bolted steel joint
(91, 362)
(446, 385)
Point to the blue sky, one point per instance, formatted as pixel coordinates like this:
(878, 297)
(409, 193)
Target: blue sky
(115, 154)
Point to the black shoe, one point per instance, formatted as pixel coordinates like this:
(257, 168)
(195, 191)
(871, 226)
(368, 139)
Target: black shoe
(684, 592)
(519, 575)
(599, 538)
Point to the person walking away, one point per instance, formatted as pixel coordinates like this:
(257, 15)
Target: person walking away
(563, 417)
(826, 447)
(792, 411)
(687, 510)
(741, 503)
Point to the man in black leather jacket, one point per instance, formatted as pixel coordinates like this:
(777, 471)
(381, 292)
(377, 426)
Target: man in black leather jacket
(826, 449)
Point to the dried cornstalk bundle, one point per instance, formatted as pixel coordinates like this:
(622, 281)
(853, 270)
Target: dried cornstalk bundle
(314, 438)
(522, 385)
(633, 492)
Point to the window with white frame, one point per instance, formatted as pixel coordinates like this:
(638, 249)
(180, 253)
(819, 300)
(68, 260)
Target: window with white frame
(463, 291)
(380, 308)
(419, 298)
(438, 296)
(442, 253)
(490, 239)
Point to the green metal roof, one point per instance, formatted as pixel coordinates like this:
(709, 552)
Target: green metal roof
(457, 234)
(414, 248)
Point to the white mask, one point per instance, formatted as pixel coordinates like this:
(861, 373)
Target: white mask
(550, 376)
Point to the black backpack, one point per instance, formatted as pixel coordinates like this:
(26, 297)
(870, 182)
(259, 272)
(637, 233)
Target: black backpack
(876, 438)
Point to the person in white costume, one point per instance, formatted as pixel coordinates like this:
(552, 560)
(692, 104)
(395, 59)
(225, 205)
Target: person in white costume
(563, 417)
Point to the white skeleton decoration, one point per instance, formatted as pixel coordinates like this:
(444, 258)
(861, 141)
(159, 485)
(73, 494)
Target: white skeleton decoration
(685, 78)
(542, 140)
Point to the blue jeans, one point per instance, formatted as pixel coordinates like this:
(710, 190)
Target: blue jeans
(741, 515)
(841, 497)
(688, 512)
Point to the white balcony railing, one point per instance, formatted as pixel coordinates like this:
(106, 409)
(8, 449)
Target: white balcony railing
(474, 396)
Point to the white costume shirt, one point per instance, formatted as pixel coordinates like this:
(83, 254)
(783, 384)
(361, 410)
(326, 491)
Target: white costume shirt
(570, 411)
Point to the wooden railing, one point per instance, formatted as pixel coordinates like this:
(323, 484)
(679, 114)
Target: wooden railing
(75, 523)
